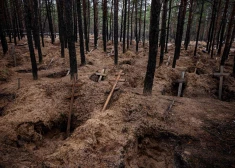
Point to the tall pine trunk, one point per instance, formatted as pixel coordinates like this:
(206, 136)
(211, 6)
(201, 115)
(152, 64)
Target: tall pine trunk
(115, 32)
(223, 25)
(82, 53)
(188, 31)
(28, 24)
(163, 31)
(228, 36)
(40, 23)
(199, 28)
(124, 27)
(153, 46)
(179, 32)
(70, 35)
(145, 6)
(168, 27)
(85, 24)
(136, 26)
(128, 25)
(48, 9)
(95, 7)
(104, 24)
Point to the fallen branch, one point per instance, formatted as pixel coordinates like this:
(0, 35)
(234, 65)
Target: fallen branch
(50, 63)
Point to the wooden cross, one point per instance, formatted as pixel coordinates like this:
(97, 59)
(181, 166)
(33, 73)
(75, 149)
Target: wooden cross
(101, 75)
(168, 61)
(180, 81)
(221, 75)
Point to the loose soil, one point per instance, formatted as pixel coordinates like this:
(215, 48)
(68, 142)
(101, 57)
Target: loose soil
(135, 131)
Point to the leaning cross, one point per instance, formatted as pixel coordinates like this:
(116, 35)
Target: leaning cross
(221, 75)
(168, 61)
(101, 75)
(180, 81)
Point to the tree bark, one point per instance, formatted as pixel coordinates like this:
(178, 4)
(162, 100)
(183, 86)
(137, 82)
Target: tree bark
(124, 27)
(3, 39)
(75, 24)
(128, 25)
(48, 9)
(115, 32)
(136, 26)
(28, 19)
(223, 25)
(95, 7)
(82, 53)
(145, 6)
(104, 24)
(188, 31)
(199, 27)
(228, 36)
(153, 46)
(179, 32)
(163, 31)
(85, 25)
(168, 27)
(70, 35)
(40, 23)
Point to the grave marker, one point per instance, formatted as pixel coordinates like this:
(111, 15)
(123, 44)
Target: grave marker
(101, 75)
(221, 75)
(180, 81)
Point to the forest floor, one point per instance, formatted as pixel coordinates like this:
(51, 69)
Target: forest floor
(135, 131)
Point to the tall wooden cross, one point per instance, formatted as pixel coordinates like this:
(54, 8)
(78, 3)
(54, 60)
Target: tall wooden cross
(181, 81)
(221, 75)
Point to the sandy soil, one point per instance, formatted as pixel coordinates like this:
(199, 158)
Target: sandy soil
(135, 131)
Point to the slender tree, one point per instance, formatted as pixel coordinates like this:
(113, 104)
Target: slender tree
(95, 7)
(123, 3)
(180, 29)
(168, 27)
(153, 46)
(145, 6)
(188, 31)
(71, 43)
(128, 25)
(48, 9)
(228, 36)
(104, 24)
(124, 27)
(163, 31)
(199, 27)
(85, 25)
(75, 21)
(3, 39)
(223, 25)
(36, 30)
(136, 26)
(115, 32)
(28, 24)
(82, 53)
(132, 12)
(40, 23)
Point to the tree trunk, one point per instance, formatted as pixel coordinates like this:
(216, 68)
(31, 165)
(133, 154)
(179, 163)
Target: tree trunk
(85, 25)
(3, 39)
(122, 20)
(36, 30)
(70, 35)
(48, 9)
(128, 25)
(115, 32)
(136, 26)
(199, 27)
(163, 31)
(223, 25)
(124, 27)
(82, 53)
(179, 32)
(140, 20)
(40, 23)
(60, 10)
(104, 24)
(228, 36)
(75, 25)
(190, 19)
(95, 7)
(145, 6)
(132, 11)
(153, 46)
(28, 19)
(168, 27)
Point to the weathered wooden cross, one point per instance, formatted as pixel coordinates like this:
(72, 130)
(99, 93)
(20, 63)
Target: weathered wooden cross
(221, 75)
(168, 61)
(180, 81)
(101, 75)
